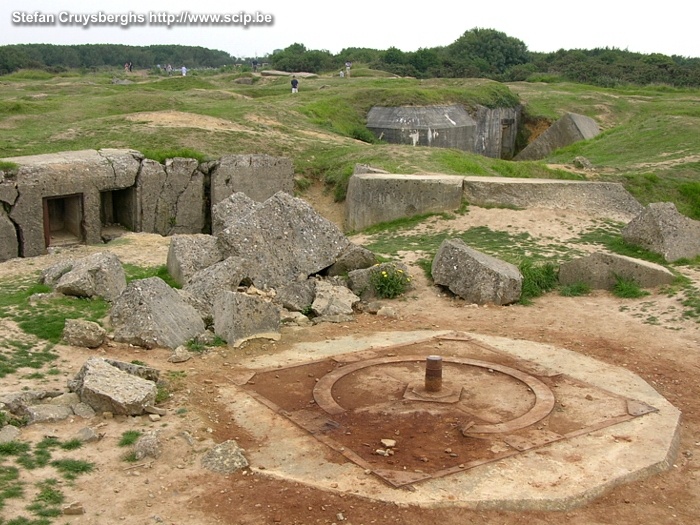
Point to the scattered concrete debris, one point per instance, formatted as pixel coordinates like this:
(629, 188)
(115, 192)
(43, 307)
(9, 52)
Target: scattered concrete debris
(602, 270)
(225, 458)
(79, 332)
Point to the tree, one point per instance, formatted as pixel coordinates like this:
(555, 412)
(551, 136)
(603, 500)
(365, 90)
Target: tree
(491, 51)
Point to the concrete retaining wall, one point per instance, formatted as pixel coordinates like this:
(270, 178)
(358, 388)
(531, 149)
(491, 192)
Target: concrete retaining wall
(374, 198)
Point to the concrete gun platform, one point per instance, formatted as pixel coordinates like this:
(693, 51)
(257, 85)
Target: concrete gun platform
(516, 425)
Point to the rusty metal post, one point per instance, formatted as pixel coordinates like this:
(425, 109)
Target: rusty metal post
(433, 373)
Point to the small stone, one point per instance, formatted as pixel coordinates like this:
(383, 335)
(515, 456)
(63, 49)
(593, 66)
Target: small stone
(73, 509)
(153, 417)
(388, 443)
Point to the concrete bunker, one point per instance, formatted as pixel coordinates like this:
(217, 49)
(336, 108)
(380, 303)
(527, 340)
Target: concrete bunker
(89, 196)
(486, 131)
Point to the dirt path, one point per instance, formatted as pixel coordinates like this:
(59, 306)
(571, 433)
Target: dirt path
(175, 489)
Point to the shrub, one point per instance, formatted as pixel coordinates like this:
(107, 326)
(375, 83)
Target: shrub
(389, 281)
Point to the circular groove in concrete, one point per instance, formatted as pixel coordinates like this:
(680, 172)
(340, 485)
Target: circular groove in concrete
(544, 398)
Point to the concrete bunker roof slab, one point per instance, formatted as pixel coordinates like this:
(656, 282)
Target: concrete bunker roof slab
(419, 117)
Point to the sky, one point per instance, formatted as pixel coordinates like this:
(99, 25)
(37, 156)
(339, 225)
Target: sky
(543, 25)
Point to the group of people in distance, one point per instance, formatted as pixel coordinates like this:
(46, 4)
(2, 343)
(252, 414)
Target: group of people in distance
(346, 73)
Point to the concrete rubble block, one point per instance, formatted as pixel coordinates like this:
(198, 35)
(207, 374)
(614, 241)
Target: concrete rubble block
(360, 281)
(258, 176)
(375, 198)
(607, 199)
(148, 445)
(601, 270)
(46, 413)
(188, 254)
(149, 313)
(239, 317)
(125, 165)
(229, 210)
(225, 458)
(79, 332)
(87, 435)
(354, 257)
(180, 355)
(298, 296)
(97, 275)
(332, 300)
(9, 244)
(660, 228)
(205, 285)
(474, 276)
(9, 433)
(16, 402)
(106, 388)
(51, 275)
(569, 129)
(283, 238)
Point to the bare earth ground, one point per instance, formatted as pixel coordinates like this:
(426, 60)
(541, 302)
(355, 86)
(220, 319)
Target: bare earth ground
(176, 489)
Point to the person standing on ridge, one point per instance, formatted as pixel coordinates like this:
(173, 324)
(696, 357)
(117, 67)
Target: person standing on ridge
(295, 84)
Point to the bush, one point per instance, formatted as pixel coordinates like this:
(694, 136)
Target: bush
(389, 281)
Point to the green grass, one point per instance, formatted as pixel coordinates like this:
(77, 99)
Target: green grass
(627, 289)
(575, 290)
(538, 279)
(72, 468)
(129, 437)
(134, 273)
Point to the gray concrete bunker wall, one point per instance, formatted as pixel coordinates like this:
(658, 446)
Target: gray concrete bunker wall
(73, 197)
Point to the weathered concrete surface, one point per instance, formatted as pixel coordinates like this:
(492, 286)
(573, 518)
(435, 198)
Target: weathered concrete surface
(475, 276)
(353, 258)
(187, 254)
(204, 286)
(106, 388)
(282, 239)
(86, 172)
(607, 199)
(97, 275)
(437, 126)
(149, 313)
(229, 210)
(660, 228)
(258, 176)
(485, 131)
(569, 129)
(9, 246)
(79, 332)
(239, 317)
(600, 271)
(332, 299)
(376, 198)
(515, 483)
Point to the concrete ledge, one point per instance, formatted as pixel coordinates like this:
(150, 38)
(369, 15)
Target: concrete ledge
(607, 199)
(374, 198)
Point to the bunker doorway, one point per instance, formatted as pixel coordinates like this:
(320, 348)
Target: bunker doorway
(117, 212)
(63, 220)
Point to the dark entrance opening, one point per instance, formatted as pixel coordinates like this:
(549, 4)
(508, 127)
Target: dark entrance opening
(117, 212)
(63, 220)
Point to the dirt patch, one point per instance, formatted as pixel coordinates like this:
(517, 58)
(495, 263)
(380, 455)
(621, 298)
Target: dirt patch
(176, 489)
(180, 119)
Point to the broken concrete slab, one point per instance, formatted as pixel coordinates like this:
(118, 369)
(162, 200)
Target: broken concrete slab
(205, 285)
(229, 210)
(187, 254)
(79, 332)
(9, 247)
(244, 174)
(601, 271)
(46, 413)
(569, 129)
(239, 317)
(225, 458)
(97, 275)
(283, 239)
(297, 296)
(149, 313)
(354, 257)
(475, 276)
(332, 300)
(106, 388)
(660, 228)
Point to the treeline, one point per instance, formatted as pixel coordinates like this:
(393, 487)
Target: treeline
(89, 56)
(487, 53)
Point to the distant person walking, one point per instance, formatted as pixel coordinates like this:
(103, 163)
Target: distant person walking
(169, 69)
(184, 71)
(295, 84)
(348, 65)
